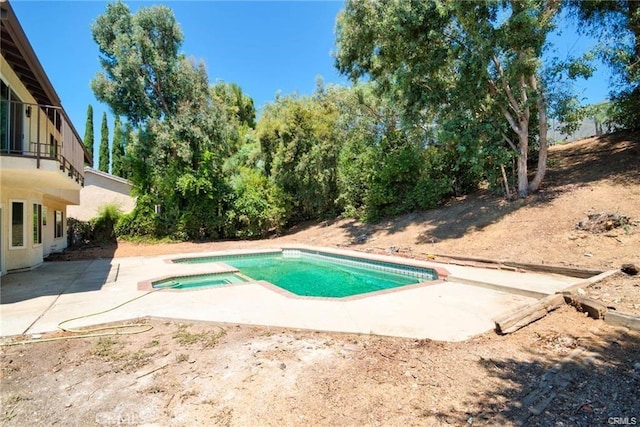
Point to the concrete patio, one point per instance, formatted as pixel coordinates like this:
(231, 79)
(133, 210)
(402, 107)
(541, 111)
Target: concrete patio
(465, 305)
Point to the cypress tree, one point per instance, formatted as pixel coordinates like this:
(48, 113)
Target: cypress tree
(103, 161)
(88, 133)
(117, 150)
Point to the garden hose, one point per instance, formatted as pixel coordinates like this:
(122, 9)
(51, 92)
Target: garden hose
(94, 332)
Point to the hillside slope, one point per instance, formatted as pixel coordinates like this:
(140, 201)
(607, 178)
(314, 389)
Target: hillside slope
(585, 177)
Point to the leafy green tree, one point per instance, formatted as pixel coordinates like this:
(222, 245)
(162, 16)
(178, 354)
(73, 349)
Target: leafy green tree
(182, 136)
(103, 161)
(140, 60)
(238, 104)
(118, 149)
(384, 168)
(470, 57)
(88, 133)
(257, 207)
(300, 147)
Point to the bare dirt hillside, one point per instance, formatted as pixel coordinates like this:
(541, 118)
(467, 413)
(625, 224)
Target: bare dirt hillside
(564, 370)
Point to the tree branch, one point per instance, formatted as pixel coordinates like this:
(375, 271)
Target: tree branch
(509, 141)
(505, 85)
(542, 136)
(512, 122)
(524, 98)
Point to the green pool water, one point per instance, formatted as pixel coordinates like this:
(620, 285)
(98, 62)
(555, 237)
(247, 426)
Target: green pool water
(190, 282)
(306, 276)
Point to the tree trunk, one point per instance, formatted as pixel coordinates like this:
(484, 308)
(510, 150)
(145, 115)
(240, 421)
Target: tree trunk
(541, 103)
(523, 146)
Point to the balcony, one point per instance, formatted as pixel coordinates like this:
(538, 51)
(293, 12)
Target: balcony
(40, 149)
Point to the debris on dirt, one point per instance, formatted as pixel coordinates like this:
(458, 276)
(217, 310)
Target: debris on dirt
(602, 221)
(629, 269)
(360, 239)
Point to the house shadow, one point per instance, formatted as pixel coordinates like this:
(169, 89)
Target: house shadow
(592, 382)
(71, 271)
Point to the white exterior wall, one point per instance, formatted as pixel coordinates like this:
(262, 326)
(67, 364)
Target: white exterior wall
(50, 243)
(33, 254)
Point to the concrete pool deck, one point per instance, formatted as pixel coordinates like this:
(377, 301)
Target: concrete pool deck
(465, 305)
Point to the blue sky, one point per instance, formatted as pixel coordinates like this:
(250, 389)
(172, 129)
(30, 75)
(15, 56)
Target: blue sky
(264, 46)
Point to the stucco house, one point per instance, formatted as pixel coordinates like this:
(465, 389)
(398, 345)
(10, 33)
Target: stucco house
(41, 155)
(100, 189)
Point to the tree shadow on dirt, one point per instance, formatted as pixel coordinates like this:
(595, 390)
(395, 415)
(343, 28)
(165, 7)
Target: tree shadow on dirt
(615, 157)
(592, 382)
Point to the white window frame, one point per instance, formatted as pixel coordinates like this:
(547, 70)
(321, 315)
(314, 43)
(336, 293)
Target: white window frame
(55, 224)
(39, 224)
(24, 226)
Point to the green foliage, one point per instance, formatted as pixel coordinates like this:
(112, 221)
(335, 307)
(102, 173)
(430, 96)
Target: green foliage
(118, 161)
(104, 223)
(141, 221)
(300, 145)
(454, 99)
(88, 133)
(140, 61)
(625, 109)
(258, 205)
(103, 160)
(183, 135)
(99, 229)
(442, 59)
(238, 104)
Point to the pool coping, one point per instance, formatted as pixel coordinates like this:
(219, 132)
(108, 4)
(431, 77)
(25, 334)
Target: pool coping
(442, 274)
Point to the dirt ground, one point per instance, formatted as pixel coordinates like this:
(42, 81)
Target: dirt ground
(564, 370)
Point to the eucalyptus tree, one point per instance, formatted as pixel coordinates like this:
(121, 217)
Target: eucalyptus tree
(474, 59)
(182, 134)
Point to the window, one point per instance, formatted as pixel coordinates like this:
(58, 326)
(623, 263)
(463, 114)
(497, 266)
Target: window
(17, 224)
(11, 118)
(59, 230)
(37, 224)
(53, 147)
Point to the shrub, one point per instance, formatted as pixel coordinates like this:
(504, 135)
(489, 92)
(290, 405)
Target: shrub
(104, 223)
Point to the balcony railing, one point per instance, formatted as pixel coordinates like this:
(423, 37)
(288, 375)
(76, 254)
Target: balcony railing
(40, 132)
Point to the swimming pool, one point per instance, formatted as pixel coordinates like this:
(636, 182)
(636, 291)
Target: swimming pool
(317, 274)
